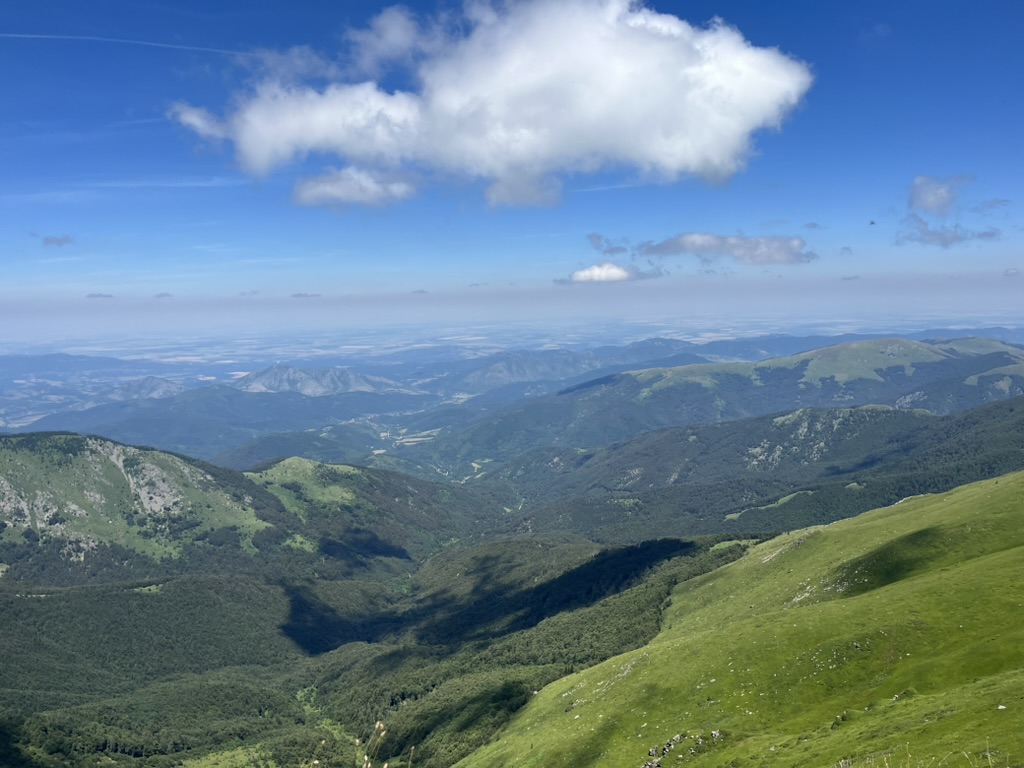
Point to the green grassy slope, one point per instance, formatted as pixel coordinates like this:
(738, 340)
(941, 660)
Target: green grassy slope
(377, 511)
(895, 638)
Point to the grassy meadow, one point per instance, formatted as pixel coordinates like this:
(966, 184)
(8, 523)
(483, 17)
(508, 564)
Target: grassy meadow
(894, 638)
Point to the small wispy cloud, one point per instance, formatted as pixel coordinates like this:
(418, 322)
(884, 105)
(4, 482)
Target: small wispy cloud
(758, 250)
(57, 241)
(932, 202)
(124, 41)
(89, 191)
(990, 205)
(188, 182)
(917, 230)
(1011, 272)
(50, 196)
(352, 185)
(99, 295)
(163, 295)
(606, 247)
(878, 31)
(936, 196)
(306, 295)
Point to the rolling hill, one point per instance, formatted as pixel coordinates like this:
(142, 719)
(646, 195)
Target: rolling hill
(893, 638)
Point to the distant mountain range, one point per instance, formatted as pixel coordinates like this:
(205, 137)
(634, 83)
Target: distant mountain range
(314, 382)
(941, 377)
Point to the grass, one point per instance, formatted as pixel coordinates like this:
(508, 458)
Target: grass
(297, 481)
(862, 360)
(792, 663)
(774, 505)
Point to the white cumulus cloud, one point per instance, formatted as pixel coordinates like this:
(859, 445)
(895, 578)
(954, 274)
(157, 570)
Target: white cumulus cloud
(600, 273)
(610, 272)
(520, 94)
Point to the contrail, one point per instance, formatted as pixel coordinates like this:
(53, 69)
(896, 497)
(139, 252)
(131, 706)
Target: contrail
(122, 41)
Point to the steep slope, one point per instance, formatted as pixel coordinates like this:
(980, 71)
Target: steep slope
(82, 510)
(86, 499)
(890, 639)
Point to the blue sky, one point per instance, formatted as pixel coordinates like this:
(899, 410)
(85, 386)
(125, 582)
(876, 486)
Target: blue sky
(192, 165)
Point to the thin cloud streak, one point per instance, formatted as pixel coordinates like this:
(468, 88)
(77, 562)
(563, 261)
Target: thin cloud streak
(125, 41)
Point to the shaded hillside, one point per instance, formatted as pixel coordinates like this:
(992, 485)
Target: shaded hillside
(893, 638)
(792, 448)
(941, 377)
(760, 475)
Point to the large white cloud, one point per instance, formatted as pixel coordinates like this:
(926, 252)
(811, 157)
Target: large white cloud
(748, 250)
(523, 93)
